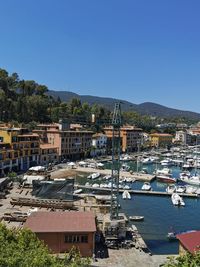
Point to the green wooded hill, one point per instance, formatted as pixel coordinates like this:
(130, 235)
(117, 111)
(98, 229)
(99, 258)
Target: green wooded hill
(28, 102)
(147, 108)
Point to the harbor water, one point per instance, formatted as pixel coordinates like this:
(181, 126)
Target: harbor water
(160, 215)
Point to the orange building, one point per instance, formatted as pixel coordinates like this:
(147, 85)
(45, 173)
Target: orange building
(61, 231)
(130, 138)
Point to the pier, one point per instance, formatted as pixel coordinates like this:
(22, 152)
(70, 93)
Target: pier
(134, 175)
(139, 192)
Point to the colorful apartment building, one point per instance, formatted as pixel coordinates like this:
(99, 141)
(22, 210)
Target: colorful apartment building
(130, 138)
(72, 144)
(161, 139)
(19, 149)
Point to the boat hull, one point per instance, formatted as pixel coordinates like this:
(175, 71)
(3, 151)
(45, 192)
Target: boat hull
(166, 179)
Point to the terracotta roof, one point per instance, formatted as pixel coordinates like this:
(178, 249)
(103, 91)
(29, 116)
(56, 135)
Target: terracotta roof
(69, 221)
(191, 241)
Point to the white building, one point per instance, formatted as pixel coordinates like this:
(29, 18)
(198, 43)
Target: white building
(182, 137)
(99, 143)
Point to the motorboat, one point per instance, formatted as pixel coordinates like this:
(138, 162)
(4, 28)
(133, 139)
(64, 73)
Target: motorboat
(171, 189)
(127, 187)
(194, 180)
(184, 174)
(95, 185)
(190, 189)
(164, 171)
(147, 160)
(197, 191)
(136, 218)
(180, 189)
(94, 175)
(146, 186)
(78, 191)
(172, 235)
(107, 177)
(125, 157)
(165, 178)
(125, 167)
(166, 162)
(177, 200)
(126, 195)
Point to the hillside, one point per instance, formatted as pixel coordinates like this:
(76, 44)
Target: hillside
(148, 108)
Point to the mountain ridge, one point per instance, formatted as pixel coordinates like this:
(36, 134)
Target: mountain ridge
(146, 108)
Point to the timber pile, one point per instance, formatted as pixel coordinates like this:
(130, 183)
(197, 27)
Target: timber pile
(44, 203)
(15, 216)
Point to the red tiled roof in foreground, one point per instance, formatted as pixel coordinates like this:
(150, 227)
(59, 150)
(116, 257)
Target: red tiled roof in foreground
(69, 221)
(191, 241)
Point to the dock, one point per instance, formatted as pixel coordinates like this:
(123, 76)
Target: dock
(133, 175)
(139, 192)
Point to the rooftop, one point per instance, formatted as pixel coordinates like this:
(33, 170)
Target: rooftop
(69, 221)
(191, 241)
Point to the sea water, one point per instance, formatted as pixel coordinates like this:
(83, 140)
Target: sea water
(160, 215)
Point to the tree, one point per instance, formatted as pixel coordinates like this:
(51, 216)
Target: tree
(21, 248)
(186, 260)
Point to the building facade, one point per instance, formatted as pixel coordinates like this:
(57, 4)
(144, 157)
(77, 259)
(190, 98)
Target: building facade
(19, 149)
(99, 144)
(48, 154)
(183, 138)
(61, 231)
(161, 139)
(72, 144)
(130, 136)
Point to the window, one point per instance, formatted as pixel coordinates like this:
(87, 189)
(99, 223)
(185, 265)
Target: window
(84, 239)
(76, 238)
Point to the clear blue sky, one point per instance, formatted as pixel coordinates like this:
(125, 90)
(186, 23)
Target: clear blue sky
(141, 51)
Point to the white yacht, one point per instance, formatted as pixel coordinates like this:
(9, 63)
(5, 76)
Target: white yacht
(191, 189)
(171, 189)
(180, 189)
(94, 175)
(163, 171)
(194, 180)
(146, 186)
(177, 200)
(167, 162)
(126, 195)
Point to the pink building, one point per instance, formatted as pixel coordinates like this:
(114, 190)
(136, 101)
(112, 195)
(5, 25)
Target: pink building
(72, 144)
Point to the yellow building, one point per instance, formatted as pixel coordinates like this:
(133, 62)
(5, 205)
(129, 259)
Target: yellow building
(161, 139)
(19, 149)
